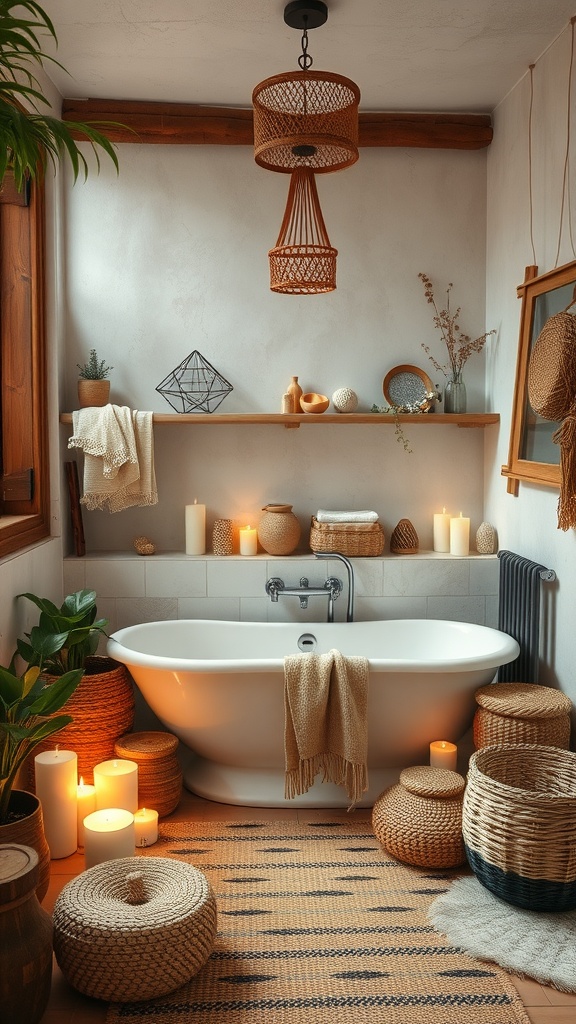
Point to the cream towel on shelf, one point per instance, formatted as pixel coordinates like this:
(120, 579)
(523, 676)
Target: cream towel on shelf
(325, 723)
(118, 448)
(324, 515)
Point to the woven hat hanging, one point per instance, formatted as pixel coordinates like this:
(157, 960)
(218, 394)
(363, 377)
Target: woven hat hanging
(303, 262)
(552, 395)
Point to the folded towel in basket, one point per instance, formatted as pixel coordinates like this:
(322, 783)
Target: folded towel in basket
(324, 515)
(325, 723)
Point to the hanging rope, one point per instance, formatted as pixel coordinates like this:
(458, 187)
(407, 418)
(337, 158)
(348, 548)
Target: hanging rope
(565, 178)
(530, 164)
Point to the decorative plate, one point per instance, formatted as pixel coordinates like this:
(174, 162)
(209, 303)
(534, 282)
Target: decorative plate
(407, 387)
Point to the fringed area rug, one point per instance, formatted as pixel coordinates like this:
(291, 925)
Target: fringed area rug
(317, 924)
(526, 942)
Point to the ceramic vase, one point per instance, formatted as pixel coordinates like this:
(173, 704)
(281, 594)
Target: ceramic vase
(455, 394)
(485, 539)
(295, 392)
(278, 530)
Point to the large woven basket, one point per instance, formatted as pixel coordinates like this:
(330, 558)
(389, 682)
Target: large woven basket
(352, 539)
(519, 824)
(515, 713)
(159, 772)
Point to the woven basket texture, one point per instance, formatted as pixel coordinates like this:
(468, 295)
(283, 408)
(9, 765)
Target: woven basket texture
(159, 772)
(352, 539)
(134, 928)
(419, 820)
(519, 824)
(521, 713)
(404, 539)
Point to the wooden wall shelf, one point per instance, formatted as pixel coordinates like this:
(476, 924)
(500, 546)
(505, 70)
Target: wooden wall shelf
(468, 419)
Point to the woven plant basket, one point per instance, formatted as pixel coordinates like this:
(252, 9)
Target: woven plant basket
(134, 928)
(519, 824)
(159, 773)
(419, 820)
(352, 539)
(102, 709)
(521, 713)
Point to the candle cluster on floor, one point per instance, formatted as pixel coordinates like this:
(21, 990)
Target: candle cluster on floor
(451, 533)
(102, 818)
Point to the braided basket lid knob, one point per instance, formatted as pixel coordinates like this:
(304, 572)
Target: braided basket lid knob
(423, 780)
(523, 700)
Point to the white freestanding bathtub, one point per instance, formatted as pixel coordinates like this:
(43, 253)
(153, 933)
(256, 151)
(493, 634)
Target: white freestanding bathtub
(219, 687)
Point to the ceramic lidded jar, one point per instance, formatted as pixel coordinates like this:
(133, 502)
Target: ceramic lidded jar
(278, 530)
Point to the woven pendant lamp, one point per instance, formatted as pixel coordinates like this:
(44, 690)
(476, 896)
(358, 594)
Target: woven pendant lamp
(306, 118)
(303, 262)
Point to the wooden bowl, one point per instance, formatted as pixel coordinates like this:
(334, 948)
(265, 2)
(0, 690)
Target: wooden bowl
(314, 403)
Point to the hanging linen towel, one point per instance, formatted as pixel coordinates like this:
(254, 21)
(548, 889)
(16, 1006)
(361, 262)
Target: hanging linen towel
(118, 448)
(324, 515)
(325, 722)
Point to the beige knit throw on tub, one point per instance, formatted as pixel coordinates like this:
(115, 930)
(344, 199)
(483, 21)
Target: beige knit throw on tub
(325, 725)
(118, 451)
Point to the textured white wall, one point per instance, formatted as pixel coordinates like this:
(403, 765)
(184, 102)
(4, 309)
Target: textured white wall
(527, 524)
(172, 256)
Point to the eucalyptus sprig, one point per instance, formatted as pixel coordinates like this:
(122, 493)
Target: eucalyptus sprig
(30, 139)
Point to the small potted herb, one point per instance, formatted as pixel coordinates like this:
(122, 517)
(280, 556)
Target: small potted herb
(93, 385)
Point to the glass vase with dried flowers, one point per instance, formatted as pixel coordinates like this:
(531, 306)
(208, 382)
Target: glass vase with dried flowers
(460, 347)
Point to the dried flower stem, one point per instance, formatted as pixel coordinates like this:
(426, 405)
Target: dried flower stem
(460, 346)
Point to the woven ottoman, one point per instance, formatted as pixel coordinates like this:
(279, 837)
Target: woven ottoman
(134, 928)
(159, 773)
(419, 820)
(511, 713)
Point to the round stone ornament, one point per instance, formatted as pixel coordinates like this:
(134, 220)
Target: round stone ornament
(486, 539)
(345, 400)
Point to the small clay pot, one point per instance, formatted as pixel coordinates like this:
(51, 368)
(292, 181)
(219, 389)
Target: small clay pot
(278, 530)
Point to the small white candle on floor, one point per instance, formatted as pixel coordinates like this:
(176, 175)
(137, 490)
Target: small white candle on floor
(443, 755)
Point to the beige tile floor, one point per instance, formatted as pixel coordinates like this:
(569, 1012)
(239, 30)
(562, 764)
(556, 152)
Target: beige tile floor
(544, 1005)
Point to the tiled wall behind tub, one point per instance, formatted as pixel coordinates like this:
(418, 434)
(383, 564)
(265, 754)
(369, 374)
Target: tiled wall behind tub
(132, 588)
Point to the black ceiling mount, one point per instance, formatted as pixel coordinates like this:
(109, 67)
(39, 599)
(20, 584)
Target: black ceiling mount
(306, 14)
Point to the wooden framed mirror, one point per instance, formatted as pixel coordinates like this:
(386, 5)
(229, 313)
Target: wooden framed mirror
(532, 455)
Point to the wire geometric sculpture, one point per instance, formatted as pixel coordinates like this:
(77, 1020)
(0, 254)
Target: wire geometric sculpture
(194, 385)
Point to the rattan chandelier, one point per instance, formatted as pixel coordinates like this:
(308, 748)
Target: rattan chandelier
(306, 118)
(303, 262)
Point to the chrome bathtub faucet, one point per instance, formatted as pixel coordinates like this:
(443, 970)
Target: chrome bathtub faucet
(331, 589)
(350, 571)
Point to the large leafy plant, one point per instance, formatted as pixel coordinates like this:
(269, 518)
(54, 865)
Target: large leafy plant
(26, 702)
(64, 637)
(29, 139)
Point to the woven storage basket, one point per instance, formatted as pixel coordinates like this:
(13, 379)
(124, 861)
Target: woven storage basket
(352, 539)
(419, 820)
(134, 928)
(521, 713)
(159, 773)
(519, 824)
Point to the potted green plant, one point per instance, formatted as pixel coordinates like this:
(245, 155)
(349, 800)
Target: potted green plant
(102, 706)
(31, 139)
(93, 383)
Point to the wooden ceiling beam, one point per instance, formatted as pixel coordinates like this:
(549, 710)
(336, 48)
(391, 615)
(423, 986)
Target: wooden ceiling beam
(190, 124)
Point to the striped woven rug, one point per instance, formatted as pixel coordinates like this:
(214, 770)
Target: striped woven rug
(317, 924)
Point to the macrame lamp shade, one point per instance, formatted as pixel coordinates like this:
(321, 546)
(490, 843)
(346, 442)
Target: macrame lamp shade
(303, 262)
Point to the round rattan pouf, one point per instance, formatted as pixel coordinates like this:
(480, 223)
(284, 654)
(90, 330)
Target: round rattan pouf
(513, 713)
(419, 820)
(134, 928)
(159, 773)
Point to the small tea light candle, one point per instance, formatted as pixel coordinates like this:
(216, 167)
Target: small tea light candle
(248, 540)
(442, 531)
(460, 536)
(145, 827)
(108, 834)
(56, 775)
(195, 523)
(443, 755)
(86, 795)
(116, 785)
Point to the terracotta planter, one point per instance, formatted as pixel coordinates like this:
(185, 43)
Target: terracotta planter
(93, 392)
(27, 829)
(25, 938)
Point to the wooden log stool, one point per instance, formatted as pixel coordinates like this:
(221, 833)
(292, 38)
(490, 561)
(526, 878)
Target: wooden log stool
(419, 820)
(511, 713)
(159, 773)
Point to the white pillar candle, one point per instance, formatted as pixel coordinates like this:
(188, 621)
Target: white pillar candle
(86, 794)
(195, 529)
(460, 536)
(56, 783)
(442, 531)
(443, 755)
(248, 540)
(108, 834)
(116, 785)
(145, 826)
